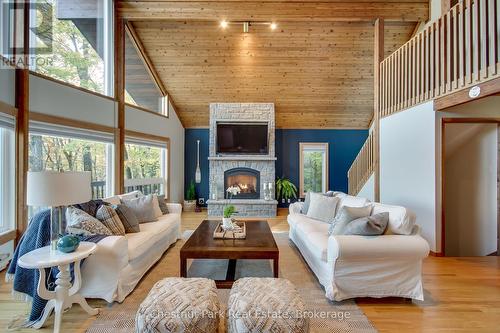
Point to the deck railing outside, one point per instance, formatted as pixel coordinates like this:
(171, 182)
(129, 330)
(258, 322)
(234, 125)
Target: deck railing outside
(145, 185)
(457, 51)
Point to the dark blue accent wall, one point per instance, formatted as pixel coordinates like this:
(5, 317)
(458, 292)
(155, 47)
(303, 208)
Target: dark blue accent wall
(344, 145)
(191, 135)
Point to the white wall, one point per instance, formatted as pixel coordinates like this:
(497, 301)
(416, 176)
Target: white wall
(408, 165)
(7, 86)
(56, 99)
(470, 189)
(368, 190)
(140, 121)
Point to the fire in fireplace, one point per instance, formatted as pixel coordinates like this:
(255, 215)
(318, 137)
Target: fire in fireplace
(248, 180)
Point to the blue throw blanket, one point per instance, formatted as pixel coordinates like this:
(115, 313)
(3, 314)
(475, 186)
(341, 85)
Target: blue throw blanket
(25, 280)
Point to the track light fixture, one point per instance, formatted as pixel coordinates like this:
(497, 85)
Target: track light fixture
(246, 24)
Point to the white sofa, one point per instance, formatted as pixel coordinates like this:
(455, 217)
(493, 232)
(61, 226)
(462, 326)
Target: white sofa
(119, 262)
(351, 266)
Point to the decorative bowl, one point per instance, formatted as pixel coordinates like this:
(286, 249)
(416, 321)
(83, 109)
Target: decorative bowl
(68, 243)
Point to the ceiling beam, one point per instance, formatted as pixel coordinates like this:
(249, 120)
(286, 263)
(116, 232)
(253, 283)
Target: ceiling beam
(273, 11)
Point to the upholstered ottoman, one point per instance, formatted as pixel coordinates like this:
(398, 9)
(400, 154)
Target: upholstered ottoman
(265, 305)
(180, 305)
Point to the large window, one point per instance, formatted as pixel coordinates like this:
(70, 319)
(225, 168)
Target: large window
(74, 44)
(145, 166)
(6, 28)
(141, 89)
(66, 149)
(313, 167)
(7, 173)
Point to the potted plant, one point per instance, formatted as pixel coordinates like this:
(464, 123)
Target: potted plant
(190, 202)
(229, 209)
(285, 190)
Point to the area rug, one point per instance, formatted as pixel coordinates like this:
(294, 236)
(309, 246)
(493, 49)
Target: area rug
(326, 316)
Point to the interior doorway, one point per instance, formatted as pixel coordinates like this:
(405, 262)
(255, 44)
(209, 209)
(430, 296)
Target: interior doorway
(471, 189)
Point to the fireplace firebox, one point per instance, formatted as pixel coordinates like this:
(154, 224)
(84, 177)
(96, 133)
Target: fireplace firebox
(248, 180)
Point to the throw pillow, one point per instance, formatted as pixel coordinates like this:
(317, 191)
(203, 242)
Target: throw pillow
(142, 208)
(108, 216)
(368, 226)
(80, 223)
(346, 215)
(307, 202)
(156, 206)
(163, 204)
(322, 207)
(131, 195)
(129, 220)
(90, 207)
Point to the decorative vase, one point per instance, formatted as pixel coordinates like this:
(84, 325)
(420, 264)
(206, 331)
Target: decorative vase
(68, 243)
(227, 223)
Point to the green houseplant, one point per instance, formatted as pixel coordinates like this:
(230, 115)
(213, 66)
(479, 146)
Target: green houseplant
(285, 190)
(190, 201)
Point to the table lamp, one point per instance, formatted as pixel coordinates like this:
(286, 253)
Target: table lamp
(56, 190)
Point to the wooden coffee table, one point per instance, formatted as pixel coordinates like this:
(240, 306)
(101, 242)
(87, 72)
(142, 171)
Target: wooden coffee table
(259, 244)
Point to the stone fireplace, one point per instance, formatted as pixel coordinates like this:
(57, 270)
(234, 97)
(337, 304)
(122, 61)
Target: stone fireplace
(249, 172)
(246, 179)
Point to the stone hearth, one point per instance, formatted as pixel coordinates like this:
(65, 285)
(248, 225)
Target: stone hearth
(263, 164)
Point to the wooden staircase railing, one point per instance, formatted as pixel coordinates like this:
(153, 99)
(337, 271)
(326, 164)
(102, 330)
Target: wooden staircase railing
(363, 165)
(457, 51)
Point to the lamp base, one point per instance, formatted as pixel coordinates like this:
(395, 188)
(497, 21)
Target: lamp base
(57, 226)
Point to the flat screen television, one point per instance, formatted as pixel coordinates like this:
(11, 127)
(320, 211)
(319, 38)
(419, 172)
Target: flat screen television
(242, 138)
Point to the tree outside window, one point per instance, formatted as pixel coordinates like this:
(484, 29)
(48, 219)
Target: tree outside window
(313, 167)
(69, 154)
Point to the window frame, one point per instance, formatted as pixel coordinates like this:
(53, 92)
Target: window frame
(164, 101)
(11, 233)
(108, 57)
(161, 142)
(320, 146)
(84, 126)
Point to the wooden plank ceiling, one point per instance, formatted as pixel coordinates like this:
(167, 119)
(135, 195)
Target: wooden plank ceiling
(319, 74)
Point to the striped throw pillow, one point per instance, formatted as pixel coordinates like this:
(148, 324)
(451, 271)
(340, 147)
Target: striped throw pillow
(108, 216)
(128, 218)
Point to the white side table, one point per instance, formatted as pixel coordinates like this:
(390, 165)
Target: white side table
(65, 294)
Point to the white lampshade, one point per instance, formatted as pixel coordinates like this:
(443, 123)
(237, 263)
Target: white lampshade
(51, 188)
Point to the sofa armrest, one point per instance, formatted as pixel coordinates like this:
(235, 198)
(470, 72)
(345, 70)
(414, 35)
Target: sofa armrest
(296, 207)
(174, 208)
(377, 247)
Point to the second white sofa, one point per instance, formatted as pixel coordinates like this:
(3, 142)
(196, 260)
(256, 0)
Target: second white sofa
(350, 266)
(119, 262)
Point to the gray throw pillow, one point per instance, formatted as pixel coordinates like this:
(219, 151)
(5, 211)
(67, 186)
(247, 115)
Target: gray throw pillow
(322, 207)
(346, 215)
(80, 223)
(142, 207)
(368, 226)
(163, 204)
(128, 218)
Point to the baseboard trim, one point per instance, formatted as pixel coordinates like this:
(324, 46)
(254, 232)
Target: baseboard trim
(434, 254)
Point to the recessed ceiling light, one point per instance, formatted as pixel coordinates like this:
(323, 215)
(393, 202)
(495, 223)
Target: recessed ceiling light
(223, 24)
(273, 26)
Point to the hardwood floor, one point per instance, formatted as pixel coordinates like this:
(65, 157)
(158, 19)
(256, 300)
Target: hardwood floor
(462, 295)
